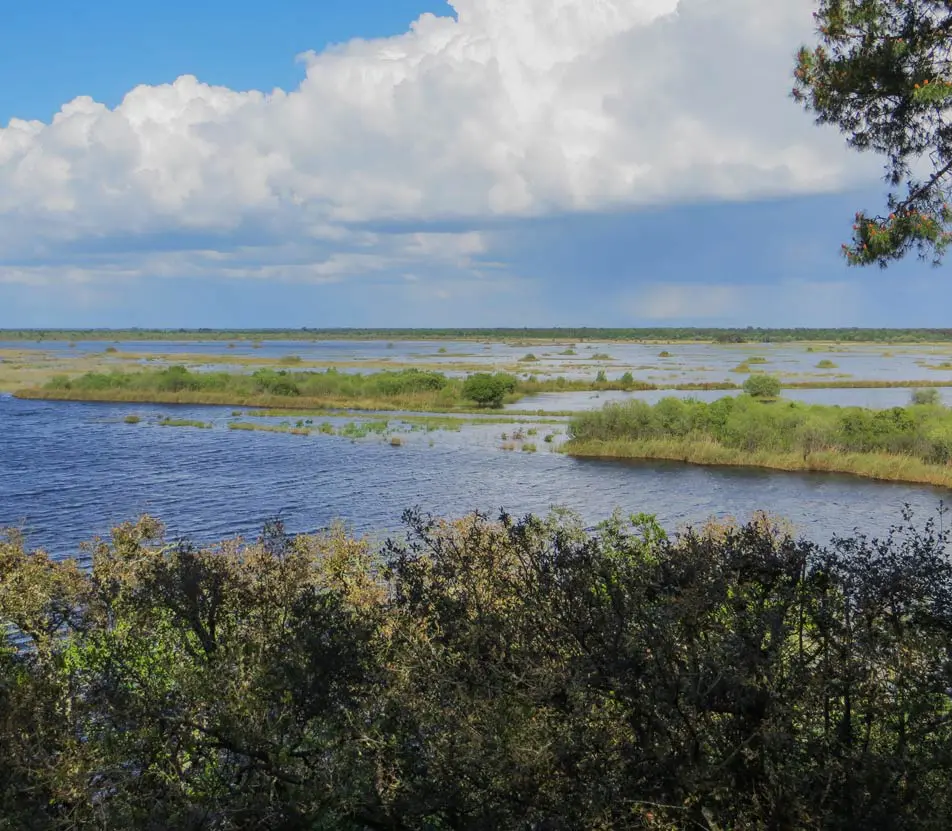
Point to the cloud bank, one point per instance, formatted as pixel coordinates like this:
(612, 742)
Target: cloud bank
(514, 109)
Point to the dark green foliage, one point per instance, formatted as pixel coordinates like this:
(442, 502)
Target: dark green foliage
(881, 74)
(488, 390)
(763, 386)
(481, 675)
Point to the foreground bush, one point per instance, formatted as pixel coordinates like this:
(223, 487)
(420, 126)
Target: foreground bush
(480, 675)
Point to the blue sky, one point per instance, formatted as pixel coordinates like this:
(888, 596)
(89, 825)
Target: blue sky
(504, 162)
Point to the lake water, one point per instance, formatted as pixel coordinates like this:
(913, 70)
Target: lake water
(69, 471)
(686, 363)
(872, 398)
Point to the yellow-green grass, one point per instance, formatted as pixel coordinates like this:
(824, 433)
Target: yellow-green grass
(857, 384)
(185, 422)
(419, 402)
(269, 428)
(703, 451)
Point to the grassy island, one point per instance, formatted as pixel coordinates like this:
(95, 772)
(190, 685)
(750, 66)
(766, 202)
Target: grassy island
(410, 389)
(907, 444)
(271, 388)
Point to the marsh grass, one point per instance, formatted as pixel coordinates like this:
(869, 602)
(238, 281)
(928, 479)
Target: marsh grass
(881, 466)
(184, 422)
(131, 419)
(409, 389)
(269, 428)
(912, 444)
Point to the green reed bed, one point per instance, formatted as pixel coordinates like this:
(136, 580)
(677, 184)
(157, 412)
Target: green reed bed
(912, 444)
(269, 428)
(184, 422)
(406, 389)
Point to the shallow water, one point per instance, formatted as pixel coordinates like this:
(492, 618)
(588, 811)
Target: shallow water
(69, 471)
(688, 363)
(875, 399)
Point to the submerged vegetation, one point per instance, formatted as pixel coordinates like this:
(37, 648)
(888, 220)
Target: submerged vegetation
(911, 444)
(483, 674)
(184, 422)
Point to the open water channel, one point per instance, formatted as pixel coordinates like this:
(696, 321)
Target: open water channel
(70, 471)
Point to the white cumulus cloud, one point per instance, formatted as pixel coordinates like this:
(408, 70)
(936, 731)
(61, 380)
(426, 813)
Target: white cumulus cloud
(514, 108)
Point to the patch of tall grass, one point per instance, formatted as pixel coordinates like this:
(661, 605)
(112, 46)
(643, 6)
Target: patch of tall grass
(411, 388)
(906, 443)
(184, 422)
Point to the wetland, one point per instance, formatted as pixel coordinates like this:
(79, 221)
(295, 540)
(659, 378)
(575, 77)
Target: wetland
(201, 431)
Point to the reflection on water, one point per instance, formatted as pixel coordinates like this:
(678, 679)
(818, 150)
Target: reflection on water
(72, 470)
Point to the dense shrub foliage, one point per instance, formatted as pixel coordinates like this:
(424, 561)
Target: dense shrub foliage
(923, 432)
(480, 675)
(488, 390)
(929, 396)
(762, 386)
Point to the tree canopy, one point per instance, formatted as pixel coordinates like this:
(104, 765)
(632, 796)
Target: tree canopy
(509, 674)
(881, 72)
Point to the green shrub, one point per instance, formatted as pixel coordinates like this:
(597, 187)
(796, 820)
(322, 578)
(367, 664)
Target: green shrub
(926, 397)
(627, 379)
(488, 390)
(826, 363)
(601, 378)
(132, 419)
(529, 358)
(763, 386)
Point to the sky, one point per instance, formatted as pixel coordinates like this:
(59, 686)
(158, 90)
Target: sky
(423, 163)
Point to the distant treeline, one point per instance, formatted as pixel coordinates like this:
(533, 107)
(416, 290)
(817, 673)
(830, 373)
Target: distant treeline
(741, 335)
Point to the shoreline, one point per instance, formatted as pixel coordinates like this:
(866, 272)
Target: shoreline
(884, 467)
